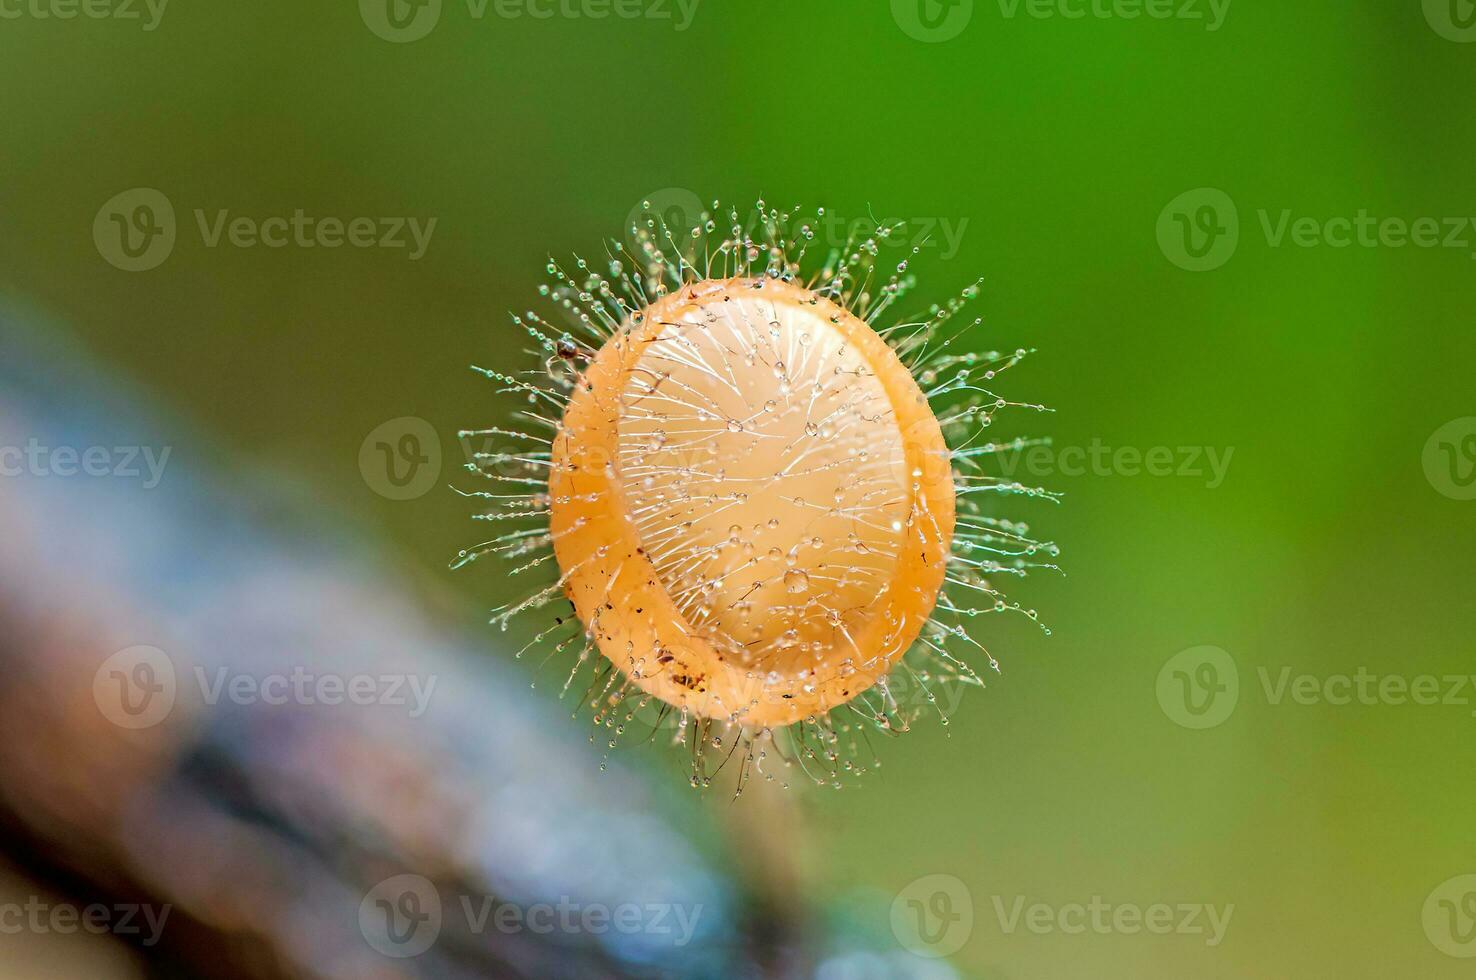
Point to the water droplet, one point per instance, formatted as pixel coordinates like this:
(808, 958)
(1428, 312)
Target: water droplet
(796, 582)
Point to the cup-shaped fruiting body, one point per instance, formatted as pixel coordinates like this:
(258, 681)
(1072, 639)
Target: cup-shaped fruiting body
(751, 502)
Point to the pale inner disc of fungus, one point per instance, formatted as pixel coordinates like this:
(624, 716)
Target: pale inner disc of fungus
(763, 467)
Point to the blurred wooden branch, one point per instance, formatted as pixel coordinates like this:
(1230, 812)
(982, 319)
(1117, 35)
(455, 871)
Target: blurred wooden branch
(265, 828)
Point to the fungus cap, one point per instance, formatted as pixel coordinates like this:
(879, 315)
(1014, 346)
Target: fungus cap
(751, 502)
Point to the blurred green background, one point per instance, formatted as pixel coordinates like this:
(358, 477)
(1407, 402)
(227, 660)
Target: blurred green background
(1056, 145)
